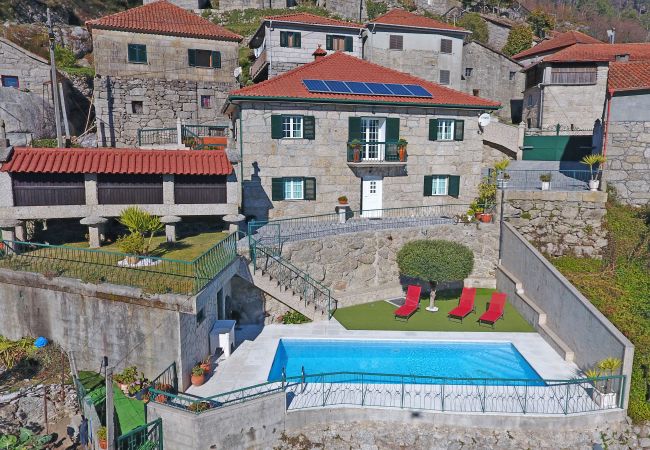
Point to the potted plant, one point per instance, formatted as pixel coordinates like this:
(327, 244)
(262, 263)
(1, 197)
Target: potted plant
(198, 376)
(343, 200)
(545, 178)
(140, 224)
(401, 149)
(591, 161)
(355, 145)
(198, 407)
(502, 175)
(163, 387)
(206, 365)
(603, 394)
(102, 437)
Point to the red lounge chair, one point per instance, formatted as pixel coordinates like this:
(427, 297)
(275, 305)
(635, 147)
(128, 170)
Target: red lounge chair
(495, 309)
(411, 303)
(465, 305)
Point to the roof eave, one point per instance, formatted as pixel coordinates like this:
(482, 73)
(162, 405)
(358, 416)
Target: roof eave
(353, 27)
(160, 33)
(446, 30)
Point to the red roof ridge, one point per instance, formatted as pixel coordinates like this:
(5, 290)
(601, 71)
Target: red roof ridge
(401, 17)
(318, 20)
(601, 52)
(558, 41)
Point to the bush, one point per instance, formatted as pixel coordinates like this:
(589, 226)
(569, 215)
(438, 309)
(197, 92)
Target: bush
(376, 9)
(474, 23)
(435, 261)
(64, 57)
(133, 244)
(520, 38)
(294, 317)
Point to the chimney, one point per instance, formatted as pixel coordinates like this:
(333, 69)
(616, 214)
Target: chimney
(4, 142)
(319, 53)
(611, 35)
(625, 57)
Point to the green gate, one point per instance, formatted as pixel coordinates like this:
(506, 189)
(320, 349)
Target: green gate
(146, 437)
(556, 148)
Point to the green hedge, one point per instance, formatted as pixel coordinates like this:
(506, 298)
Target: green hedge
(435, 261)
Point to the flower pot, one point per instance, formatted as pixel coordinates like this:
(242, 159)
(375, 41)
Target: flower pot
(402, 154)
(207, 368)
(546, 185)
(132, 260)
(357, 155)
(160, 398)
(486, 218)
(605, 401)
(478, 215)
(593, 185)
(103, 443)
(198, 380)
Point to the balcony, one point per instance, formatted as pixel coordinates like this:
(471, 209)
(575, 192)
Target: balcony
(258, 66)
(376, 153)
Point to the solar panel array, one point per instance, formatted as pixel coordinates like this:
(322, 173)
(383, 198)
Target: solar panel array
(367, 88)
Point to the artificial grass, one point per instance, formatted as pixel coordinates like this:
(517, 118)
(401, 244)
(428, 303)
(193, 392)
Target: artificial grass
(379, 316)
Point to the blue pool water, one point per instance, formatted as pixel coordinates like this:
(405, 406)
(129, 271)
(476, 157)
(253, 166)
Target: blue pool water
(436, 359)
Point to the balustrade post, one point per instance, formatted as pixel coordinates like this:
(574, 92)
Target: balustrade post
(402, 401)
(566, 400)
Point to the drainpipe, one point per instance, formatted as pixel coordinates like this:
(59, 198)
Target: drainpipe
(241, 159)
(540, 116)
(609, 108)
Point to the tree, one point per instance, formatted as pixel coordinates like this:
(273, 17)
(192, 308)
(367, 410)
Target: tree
(375, 9)
(474, 23)
(519, 39)
(540, 21)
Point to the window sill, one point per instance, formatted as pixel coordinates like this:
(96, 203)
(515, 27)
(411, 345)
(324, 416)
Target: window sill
(137, 62)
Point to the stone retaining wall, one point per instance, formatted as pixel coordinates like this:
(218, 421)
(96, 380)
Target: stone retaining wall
(628, 161)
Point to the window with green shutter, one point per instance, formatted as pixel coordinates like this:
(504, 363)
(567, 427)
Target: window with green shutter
(310, 188)
(204, 58)
(433, 129)
(291, 126)
(392, 129)
(354, 128)
(459, 130)
(293, 188)
(137, 53)
(290, 39)
(446, 130)
(216, 60)
(277, 189)
(441, 185)
(309, 127)
(339, 43)
(349, 44)
(453, 189)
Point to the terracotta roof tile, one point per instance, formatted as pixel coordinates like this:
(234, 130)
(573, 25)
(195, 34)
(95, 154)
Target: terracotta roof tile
(601, 52)
(118, 161)
(312, 19)
(629, 76)
(400, 17)
(162, 17)
(343, 67)
(558, 41)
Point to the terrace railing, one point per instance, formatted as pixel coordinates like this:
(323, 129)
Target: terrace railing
(145, 437)
(529, 180)
(157, 136)
(467, 395)
(205, 130)
(169, 136)
(375, 152)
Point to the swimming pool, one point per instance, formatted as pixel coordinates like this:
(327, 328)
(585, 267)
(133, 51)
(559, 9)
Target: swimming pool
(419, 358)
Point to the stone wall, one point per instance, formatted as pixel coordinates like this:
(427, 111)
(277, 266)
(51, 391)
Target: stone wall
(32, 70)
(559, 223)
(628, 161)
(362, 267)
(498, 34)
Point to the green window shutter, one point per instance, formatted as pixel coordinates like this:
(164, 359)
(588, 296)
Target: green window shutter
(428, 185)
(459, 130)
(132, 53)
(349, 44)
(284, 38)
(453, 189)
(276, 127)
(433, 129)
(354, 128)
(296, 40)
(191, 56)
(309, 127)
(309, 188)
(143, 54)
(392, 129)
(277, 189)
(216, 60)
(328, 42)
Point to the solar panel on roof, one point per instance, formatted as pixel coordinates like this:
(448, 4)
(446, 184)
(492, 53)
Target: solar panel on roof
(358, 87)
(398, 89)
(367, 88)
(338, 86)
(417, 90)
(316, 85)
(378, 89)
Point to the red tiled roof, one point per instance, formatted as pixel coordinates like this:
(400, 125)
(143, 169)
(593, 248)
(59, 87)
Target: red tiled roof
(629, 76)
(559, 41)
(601, 52)
(312, 19)
(403, 18)
(114, 161)
(343, 67)
(162, 17)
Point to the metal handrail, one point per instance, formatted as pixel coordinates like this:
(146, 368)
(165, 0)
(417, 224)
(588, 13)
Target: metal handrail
(386, 151)
(149, 436)
(156, 136)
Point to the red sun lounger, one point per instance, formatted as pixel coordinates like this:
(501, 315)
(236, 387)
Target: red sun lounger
(465, 305)
(495, 310)
(411, 303)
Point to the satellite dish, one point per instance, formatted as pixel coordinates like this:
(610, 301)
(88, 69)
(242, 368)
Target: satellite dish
(484, 120)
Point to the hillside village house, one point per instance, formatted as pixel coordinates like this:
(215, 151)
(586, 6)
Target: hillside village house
(331, 128)
(423, 47)
(158, 63)
(282, 43)
(553, 44)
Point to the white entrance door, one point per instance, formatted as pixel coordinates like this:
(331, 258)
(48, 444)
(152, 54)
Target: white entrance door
(371, 194)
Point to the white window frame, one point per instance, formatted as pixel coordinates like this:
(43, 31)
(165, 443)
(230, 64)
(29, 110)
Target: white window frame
(369, 134)
(292, 127)
(439, 185)
(294, 188)
(446, 129)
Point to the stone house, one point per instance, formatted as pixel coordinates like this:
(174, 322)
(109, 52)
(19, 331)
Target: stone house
(158, 63)
(569, 87)
(492, 74)
(554, 43)
(284, 42)
(418, 45)
(627, 121)
(304, 145)
(498, 30)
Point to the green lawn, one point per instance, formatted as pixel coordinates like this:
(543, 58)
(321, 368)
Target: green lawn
(379, 316)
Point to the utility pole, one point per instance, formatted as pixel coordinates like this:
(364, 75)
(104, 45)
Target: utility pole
(110, 424)
(55, 84)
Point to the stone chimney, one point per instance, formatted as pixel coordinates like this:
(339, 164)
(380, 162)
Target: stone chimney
(624, 57)
(319, 53)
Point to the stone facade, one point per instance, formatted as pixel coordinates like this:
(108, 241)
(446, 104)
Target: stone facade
(498, 31)
(628, 161)
(362, 267)
(559, 223)
(495, 76)
(325, 158)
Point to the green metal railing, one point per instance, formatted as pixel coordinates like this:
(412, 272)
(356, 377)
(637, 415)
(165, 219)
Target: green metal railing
(168, 377)
(375, 152)
(145, 437)
(466, 395)
(157, 136)
(157, 275)
(190, 134)
(206, 130)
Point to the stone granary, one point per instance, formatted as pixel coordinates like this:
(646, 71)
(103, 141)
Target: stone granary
(158, 63)
(304, 145)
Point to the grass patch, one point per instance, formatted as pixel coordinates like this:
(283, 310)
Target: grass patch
(379, 316)
(618, 286)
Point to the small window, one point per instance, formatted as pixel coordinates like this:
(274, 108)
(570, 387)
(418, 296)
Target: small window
(396, 42)
(204, 58)
(290, 39)
(444, 77)
(476, 92)
(292, 3)
(512, 75)
(292, 127)
(468, 71)
(137, 107)
(445, 45)
(206, 101)
(200, 316)
(530, 100)
(439, 185)
(445, 129)
(137, 53)
(293, 188)
(10, 81)
(339, 43)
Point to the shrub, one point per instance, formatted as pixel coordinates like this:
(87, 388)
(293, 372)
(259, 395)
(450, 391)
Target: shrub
(376, 9)
(293, 318)
(64, 57)
(474, 23)
(102, 433)
(520, 38)
(132, 244)
(435, 261)
(139, 222)
(540, 21)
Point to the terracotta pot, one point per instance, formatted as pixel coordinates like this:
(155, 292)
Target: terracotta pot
(160, 398)
(478, 215)
(357, 155)
(486, 218)
(402, 154)
(207, 368)
(198, 380)
(103, 443)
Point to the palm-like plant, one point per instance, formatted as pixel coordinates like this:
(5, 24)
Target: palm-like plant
(140, 222)
(609, 366)
(591, 161)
